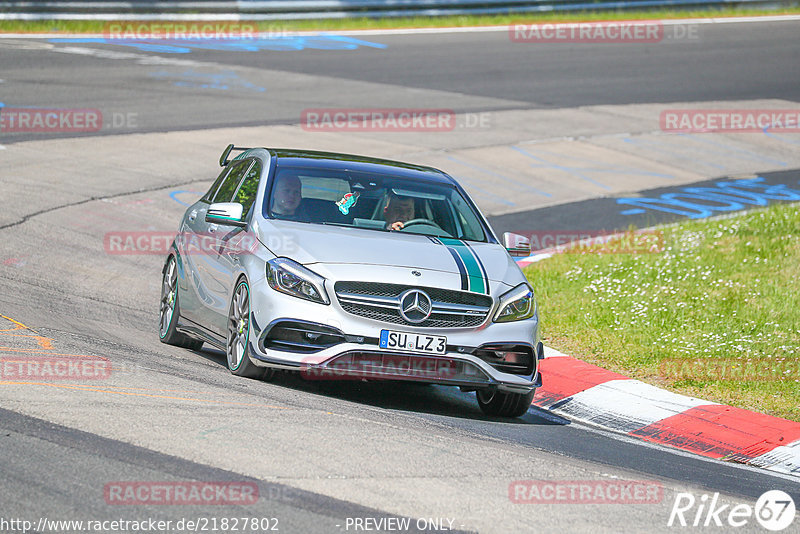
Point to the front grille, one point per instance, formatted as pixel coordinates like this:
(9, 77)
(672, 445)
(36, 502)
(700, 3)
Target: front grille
(381, 302)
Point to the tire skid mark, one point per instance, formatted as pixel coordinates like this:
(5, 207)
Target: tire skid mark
(46, 349)
(45, 343)
(35, 351)
(104, 389)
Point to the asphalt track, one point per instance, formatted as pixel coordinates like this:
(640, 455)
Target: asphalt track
(320, 453)
(487, 72)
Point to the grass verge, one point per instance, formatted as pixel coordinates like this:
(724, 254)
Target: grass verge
(278, 27)
(715, 315)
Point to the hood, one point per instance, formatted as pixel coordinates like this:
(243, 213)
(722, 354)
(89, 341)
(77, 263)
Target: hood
(475, 263)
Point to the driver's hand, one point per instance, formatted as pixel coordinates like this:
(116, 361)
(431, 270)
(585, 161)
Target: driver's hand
(397, 225)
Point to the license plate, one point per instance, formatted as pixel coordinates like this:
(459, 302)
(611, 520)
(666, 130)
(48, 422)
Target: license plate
(391, 339)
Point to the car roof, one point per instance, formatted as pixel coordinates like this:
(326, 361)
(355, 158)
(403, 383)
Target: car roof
(351, 162)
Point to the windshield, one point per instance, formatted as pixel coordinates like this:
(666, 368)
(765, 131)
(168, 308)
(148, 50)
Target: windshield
(371, 201)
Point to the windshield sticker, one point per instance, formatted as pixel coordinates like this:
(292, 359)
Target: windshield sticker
(347, 202)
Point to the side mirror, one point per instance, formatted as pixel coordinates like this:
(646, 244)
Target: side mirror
(228, 213)
(517, 245)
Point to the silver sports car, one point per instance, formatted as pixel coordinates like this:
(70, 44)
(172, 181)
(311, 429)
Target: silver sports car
(348, 267)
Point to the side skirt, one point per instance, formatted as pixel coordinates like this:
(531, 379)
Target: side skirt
(192, 329)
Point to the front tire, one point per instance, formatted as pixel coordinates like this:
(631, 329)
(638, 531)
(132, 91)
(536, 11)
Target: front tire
(170, 310)
(501, 404)
(238, 345)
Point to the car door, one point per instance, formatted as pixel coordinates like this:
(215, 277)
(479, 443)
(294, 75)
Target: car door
(234, 242)
(216, 266)
(201, 244)
(192, 228)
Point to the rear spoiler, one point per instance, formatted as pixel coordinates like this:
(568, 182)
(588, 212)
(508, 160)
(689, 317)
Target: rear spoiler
(223, 159)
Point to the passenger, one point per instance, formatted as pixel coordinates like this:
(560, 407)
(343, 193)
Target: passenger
(286, 197)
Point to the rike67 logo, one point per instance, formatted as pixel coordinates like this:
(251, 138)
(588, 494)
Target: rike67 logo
(774, 510)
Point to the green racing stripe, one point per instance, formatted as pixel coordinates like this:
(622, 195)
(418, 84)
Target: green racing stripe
(476, 275)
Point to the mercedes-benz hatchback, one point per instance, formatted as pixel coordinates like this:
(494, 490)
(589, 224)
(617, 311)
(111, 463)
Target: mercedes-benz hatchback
(348, 267)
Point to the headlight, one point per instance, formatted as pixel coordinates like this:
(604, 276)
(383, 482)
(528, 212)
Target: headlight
(516, 305)
(290, 277)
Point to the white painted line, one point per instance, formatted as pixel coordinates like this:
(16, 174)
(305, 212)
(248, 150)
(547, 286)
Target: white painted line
(377, 32)
(783, 459)
(553, 353)
(626, 405)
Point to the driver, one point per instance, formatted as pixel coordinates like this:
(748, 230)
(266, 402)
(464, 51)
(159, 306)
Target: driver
(397, 211)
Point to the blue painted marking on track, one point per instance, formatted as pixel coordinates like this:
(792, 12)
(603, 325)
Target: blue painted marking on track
(550, 165)
(741, 153)
(497, 174)
(500, 199)
(321, 41)
(723, 196)
(616, 169)
(765, 130)
(570, 170)
(656, 147)
(174, 194)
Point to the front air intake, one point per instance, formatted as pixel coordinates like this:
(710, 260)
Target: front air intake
(299, 336)
(515, 359)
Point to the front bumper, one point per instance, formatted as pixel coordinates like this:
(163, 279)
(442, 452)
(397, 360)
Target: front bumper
(345, 346)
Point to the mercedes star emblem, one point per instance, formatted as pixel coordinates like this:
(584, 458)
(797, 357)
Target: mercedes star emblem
(415, 306)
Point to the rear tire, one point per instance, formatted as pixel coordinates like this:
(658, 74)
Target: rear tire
(501, 404)
(238, 343)
(170, 310)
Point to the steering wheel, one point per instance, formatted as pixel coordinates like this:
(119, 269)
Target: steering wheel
(426, 222)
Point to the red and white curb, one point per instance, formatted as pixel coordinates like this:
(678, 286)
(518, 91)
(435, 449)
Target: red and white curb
(583, 392)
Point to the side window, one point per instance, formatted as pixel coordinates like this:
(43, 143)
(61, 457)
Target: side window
(246, 194)
(210, 193)
(468, 220)
(225, 191)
